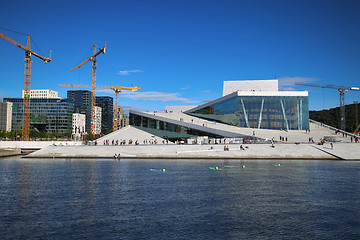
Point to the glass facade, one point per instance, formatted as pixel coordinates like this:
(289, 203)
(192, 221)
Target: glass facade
(46, 115)
(265, 112)
(106, 104)
(164, 129)
(82, 104)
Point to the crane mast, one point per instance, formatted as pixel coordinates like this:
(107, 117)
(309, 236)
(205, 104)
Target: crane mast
(27, 81)
(93, 90)
(26, 101)
(116, 108)
(93, 83)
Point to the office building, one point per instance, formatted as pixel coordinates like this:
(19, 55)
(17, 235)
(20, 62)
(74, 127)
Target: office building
(46, 115)
(5, 116)
(82, 104)
(106, 104)
(121, 120)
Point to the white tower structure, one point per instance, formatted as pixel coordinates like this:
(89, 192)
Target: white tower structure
(5, 116)
(97, 120)
(250, 86)
(78, 125)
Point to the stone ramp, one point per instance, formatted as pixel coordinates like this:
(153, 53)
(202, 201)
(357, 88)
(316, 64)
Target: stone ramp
(316, 132)
(130, 133)
(342, 151)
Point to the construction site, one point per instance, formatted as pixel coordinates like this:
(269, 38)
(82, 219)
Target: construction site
(249, 112)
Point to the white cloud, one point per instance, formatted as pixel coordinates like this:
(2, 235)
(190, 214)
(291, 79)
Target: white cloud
(127, 72)
(126, 109)
(288, 89)
(206, 101)
(156, 96)
(206, 91)
(105, 90)
(290, 81)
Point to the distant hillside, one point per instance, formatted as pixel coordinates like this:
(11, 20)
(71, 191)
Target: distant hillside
(332, 117)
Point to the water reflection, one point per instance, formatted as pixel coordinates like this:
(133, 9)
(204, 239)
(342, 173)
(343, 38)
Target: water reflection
(22, 212)
(103, 199)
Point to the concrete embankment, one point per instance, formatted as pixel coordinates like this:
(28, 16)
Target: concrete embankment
(10, 152)
(341, 151)
(31, 146)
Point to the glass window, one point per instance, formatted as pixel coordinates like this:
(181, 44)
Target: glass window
(269, 112)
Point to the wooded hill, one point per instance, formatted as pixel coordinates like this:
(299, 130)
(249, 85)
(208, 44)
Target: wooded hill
(332, 117)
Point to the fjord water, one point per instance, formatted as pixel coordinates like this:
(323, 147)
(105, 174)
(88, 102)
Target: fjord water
(178, 199)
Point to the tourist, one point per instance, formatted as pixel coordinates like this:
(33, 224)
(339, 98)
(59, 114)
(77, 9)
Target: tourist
(115, 156)
(118, 157)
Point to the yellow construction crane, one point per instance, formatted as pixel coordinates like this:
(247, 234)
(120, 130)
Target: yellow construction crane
(116, 89)
(93, 83)
(27, 81)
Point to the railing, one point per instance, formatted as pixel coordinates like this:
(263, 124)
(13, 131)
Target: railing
(336, 130)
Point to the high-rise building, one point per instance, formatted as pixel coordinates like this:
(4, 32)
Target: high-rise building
(106, 104)
(5, 116)
(46, 115)
(97, 120)
(42, 93)
(121, 120)
(78, 125)
(82, 104)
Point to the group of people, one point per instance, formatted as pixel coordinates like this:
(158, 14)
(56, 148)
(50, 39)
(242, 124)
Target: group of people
(226, 147)
(117, 156)
(130, 142)
(283, 139)
(243, 148)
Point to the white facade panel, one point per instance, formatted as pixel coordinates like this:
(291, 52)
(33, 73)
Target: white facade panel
(250, 86)
(97, 120)
(5, 116)
(78, 125)
(42, 93)
(277, 94)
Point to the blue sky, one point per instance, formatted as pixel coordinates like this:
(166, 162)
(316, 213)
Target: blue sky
(180, 51)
